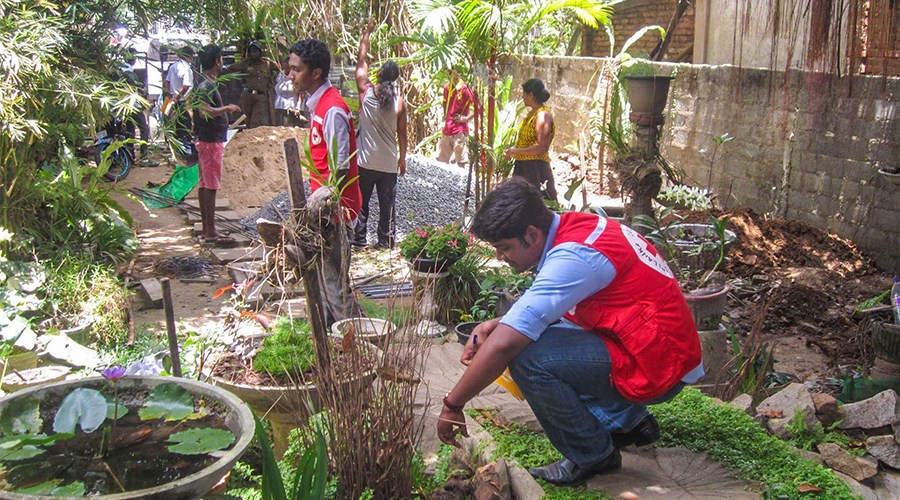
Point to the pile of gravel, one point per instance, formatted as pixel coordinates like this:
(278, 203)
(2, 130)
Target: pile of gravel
(431, 193)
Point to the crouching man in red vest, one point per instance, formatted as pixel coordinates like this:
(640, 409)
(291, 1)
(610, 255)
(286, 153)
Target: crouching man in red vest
(331, 135)
(603, 332)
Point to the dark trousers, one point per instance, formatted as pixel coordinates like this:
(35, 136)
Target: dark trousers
(386, 185)
(139, 120)
(537, 172)
(334, 276)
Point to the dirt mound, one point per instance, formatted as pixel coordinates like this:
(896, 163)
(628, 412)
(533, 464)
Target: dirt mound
(253, 172)
(781, 243)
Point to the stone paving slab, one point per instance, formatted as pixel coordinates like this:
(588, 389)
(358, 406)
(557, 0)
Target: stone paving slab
(240, 240)
(659, 473)
(230, 215)
(221, 203)
(226, 255)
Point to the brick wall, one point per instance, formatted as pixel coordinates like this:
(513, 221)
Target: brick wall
(813, 158)
(633, 15)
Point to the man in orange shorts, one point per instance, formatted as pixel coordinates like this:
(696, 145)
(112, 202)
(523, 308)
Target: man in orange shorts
(211, 129)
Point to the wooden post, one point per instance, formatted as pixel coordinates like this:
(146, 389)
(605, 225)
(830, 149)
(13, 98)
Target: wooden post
(310, 277)
(170, 326)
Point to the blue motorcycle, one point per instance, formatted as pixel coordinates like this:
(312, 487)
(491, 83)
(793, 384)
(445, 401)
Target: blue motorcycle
(122, 159)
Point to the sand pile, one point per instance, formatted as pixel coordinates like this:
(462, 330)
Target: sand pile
(253, 172)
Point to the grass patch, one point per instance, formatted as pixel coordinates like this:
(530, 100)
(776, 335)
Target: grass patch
(533, 449)
(81, 290)
(731, 437)
(401, 315)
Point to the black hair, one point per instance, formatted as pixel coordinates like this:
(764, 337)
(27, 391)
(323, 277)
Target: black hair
(387, 78)
(536, 88)
(509, 209)
(208, 56)
(314, 54)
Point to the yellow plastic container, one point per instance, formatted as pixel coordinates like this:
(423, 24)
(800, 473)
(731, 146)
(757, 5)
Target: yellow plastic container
(506, 381)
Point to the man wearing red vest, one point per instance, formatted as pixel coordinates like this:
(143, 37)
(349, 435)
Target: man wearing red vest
(332, 144)
(603, 332)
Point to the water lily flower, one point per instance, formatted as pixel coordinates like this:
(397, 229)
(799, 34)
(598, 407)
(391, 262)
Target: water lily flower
(113, 373)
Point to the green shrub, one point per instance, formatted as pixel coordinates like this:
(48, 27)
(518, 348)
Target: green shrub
(732, 437)
(79, 291)
(289, 351)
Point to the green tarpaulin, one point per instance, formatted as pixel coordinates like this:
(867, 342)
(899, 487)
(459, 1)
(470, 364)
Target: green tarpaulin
(172, 192)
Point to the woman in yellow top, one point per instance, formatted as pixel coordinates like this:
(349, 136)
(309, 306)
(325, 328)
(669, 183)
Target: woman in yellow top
(536, 131)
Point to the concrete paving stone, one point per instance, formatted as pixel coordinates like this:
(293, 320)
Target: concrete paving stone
(240, 240)
(670, 474)
(230, 215)
(221, 203)
(226, 255)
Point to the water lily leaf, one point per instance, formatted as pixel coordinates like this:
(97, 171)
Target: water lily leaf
(14, 448)
(199, 441)
(21, 416)
(169, 401)
(22, 446)
(52, 488)
(111, 409)
(84, 407)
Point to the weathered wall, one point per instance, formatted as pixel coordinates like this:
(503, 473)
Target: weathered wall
(810, 158)
(632, 15)
(571, 82)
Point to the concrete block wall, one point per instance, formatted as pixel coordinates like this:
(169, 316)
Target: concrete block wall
(812, 157)
(807, 156)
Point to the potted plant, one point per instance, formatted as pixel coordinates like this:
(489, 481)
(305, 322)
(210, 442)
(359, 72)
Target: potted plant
(274, 374)
(507, 285)
(695, 252)
(374, 330)
(433, 249)
(120, 437)
(647, 91)
(484, 309)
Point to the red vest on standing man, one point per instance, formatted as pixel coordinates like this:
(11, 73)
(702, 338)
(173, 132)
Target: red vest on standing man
(351, 200)
(641, 316)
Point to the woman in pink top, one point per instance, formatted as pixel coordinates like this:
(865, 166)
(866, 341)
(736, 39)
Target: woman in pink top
(459, 108)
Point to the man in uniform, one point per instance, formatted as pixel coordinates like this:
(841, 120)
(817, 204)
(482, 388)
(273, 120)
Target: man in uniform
(259, 78)
(179, 80)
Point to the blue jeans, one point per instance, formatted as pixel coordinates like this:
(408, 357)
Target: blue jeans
(565, 378)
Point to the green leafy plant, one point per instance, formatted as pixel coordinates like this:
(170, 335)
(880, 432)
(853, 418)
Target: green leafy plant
(289, 351)
(687, 265)
(308, 481)
(446, 242)
(807, 437)
(732, 437)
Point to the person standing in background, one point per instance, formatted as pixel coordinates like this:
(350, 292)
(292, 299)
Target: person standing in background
(286, 98)
(332, 145)
(532, 150)
(179, 80)
(459, 108)
(259, 77)
(139, 117)
(211, 127)
(382, 144)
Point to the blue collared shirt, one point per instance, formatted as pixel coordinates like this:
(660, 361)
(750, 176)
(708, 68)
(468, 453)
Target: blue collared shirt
(566, 274)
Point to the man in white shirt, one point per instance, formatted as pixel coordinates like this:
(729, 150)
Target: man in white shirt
(179, 80)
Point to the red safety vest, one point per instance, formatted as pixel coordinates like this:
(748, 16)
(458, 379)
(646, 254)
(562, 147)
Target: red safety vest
(351, 200)
(641, 316)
